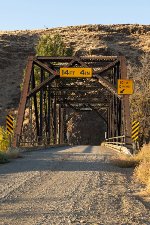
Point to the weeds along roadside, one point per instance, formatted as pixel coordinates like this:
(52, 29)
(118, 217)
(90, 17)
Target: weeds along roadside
(6, 152)
(142, 171)
(141, 164)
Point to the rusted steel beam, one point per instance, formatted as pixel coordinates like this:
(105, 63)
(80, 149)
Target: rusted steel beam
(126, 107)
(106, 68)
(119, 121)
(83, 58)
(72, 107)
(49, 116)
(40, 86)
(55, 121)
(35, 102)
(46, 68)
(52, 123)
(99, 114)
(54, 59)
(23, 100)
(76, 88)
(74, 61)
(79, 60)
(83, 96)
(64, 126)
(108, 85)
(41, 109)
(98, 58)
(59, 125)
(104, 104)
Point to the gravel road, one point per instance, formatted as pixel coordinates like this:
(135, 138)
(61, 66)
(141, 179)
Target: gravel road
(69, 185)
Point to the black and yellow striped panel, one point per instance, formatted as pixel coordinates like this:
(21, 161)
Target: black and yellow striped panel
(135, 130)
(9, 124)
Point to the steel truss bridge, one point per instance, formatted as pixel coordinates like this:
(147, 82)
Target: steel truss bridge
(48, 101)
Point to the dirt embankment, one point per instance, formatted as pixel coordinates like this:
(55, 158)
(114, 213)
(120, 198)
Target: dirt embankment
(129, 40)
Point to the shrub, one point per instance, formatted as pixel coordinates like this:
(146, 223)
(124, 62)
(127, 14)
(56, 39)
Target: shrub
(4, 139)
(13, 153)
(3, 158)
(53, 45)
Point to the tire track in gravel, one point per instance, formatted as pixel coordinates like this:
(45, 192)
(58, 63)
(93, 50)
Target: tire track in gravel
(70, 186)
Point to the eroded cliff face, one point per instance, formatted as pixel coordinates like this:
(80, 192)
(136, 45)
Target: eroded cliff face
(15, 47)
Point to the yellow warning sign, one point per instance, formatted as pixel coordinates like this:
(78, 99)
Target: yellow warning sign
(75, 72)
(125, 87)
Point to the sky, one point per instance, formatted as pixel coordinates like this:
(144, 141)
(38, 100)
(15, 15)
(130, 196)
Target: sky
(40, 14)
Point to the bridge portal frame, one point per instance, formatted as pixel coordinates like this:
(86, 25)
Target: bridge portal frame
(46, 103)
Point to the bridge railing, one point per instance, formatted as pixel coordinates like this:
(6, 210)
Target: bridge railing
(119, 140)
(119, 144)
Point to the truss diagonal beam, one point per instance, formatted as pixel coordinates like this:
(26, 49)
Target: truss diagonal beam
(45, 67)
(108, 85)
(93, 108)
(76, 60)
(39, 87)
(106, 68)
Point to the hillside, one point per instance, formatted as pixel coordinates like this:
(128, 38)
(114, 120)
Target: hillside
(15, 46)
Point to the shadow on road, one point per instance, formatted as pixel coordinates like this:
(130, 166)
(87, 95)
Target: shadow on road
(60, 160)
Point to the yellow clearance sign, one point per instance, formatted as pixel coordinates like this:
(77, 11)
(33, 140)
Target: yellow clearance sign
(75, 72)
(125, 87)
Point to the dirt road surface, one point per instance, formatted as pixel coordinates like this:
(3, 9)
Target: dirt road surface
(69, 185)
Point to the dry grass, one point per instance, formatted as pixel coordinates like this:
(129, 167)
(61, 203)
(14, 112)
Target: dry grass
(144, 154)
(124, 161)
(13, 153)
(141, 162)
(142, 157)
(3, 158)
(142, 172)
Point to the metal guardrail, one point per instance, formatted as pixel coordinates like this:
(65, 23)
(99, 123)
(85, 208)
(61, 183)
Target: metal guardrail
(120, 140)
(118, 144)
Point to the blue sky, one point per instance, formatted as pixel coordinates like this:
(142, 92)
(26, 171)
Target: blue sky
(37, 14)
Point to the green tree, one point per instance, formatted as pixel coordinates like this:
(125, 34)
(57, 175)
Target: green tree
(50, 45)
(53, 45)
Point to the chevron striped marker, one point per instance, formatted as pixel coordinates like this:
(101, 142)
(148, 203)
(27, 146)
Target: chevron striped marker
(135, 130)
(9, 124)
